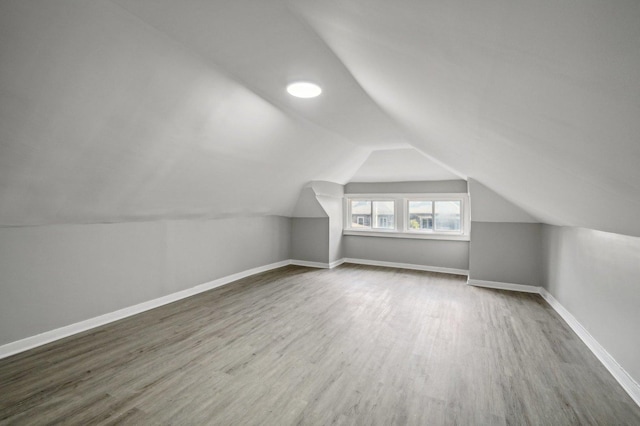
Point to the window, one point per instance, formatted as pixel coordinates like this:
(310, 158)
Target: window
(360, 214)
(420, 215)
(438, 216)
(447, 215)
(434, 215)
(384, 213)
(372, 214)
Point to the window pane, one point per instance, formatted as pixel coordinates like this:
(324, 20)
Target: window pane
(421, 215)
(384, 214)
(447, 216)
(360, 214)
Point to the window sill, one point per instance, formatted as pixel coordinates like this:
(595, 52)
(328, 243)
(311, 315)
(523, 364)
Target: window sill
(408, 235)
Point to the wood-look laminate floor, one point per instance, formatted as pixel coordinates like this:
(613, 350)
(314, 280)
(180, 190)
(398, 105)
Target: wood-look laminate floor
(352, 345)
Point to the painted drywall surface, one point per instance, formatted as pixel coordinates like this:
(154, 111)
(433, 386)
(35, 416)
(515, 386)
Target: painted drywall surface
(330, 195)
(308, 205)
(326, 188)
(596, 276)
(267, 44)
(334, 206)
(111, 113)
(53, 276)
(505, 252)
(538, 100)
(310, 239)
(436, 186)
(439, 253)
(325, 200)
(103, 118)
(488, 206)
(400, 165)
(199, 250)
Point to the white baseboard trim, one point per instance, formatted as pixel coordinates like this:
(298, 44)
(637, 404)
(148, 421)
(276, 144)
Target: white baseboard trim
(310, 264)
(504, 286)
(321, 265)
(625, 380)
(31, 342)
(336, 263)
(619, 373)
(406, 266)
(62, 332)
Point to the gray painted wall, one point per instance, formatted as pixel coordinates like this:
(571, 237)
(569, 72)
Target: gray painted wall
(595, 276)
(505, 240)
(488, 206)
(313, 239)
(310, 239)
(505, 252)
(334, 207)
(433, 186)
(440, 253)
(331, 197)
(57, 275)
(308, 205)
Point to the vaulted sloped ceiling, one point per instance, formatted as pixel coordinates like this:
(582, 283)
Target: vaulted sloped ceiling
(106, 119)
(538, 100)
(401, 165)
(136, 109)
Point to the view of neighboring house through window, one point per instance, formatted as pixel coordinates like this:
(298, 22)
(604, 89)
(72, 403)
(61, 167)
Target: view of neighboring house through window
(384, 214)
(372, 214)
(438, 216)
(421, 215)
(360, 214)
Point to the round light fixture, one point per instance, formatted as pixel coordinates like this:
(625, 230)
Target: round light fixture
(304, 89)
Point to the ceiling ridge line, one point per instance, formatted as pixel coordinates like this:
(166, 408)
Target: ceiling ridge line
(228, 74)
(407, 136)
(305, 21)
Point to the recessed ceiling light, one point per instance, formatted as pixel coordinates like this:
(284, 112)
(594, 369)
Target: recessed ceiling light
(304, 89)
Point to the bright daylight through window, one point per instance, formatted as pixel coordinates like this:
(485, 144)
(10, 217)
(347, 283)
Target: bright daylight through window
(442, 216)
(368, 214)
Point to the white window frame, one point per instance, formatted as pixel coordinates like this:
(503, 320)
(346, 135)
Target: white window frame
(401, 216)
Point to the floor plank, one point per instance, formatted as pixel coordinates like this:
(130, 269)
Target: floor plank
(353, 345)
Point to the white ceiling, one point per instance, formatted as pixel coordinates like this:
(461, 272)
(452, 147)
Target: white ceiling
(400, 165)
(136, 109)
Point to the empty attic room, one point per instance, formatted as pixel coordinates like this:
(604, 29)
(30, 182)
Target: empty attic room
(303, 212)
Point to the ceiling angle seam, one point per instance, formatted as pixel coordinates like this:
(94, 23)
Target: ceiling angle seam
(228, 74)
